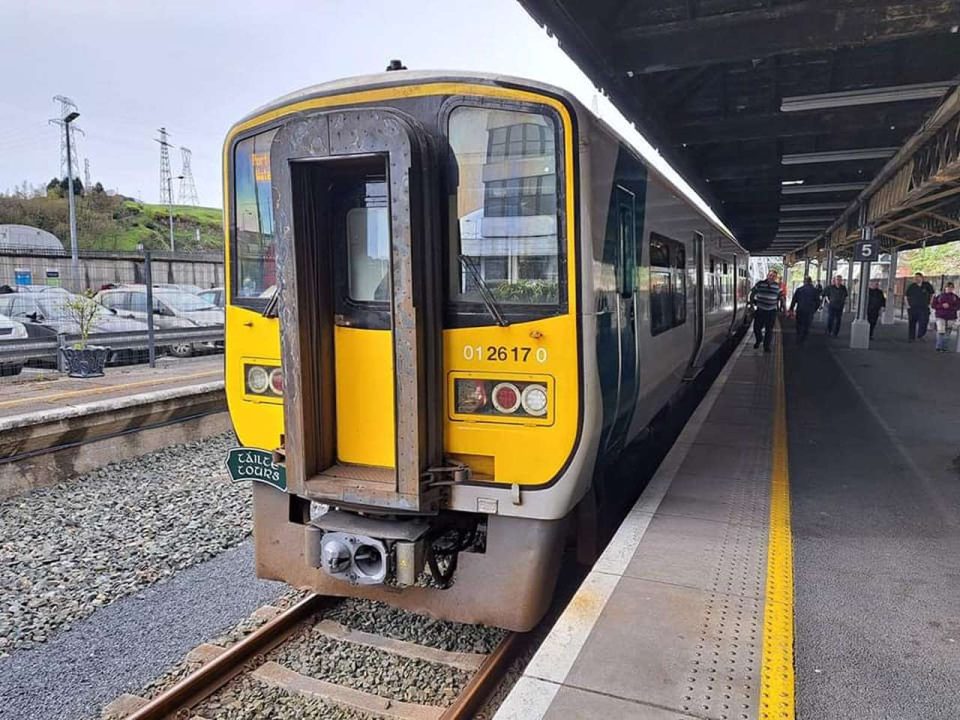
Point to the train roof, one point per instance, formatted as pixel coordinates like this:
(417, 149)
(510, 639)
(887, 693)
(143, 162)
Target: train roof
(396, 78)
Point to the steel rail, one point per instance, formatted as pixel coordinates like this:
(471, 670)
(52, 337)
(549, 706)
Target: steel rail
(491, 671)
(216, 673)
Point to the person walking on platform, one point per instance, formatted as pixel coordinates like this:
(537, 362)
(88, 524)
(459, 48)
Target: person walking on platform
(919, 295)
(945, 308)
(767, 298)
(835, 297)
(806, 301)
(876, 301)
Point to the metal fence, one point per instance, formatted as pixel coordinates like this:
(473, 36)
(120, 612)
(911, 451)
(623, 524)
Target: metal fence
(97, 269)
(22, 351)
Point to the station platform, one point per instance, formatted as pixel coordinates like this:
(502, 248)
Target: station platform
(37, 392)
(53, 427)
(795, 555)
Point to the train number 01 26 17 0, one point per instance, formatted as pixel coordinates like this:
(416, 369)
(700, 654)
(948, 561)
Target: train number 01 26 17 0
(502, 353)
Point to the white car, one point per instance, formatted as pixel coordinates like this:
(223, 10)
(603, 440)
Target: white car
(11, 330)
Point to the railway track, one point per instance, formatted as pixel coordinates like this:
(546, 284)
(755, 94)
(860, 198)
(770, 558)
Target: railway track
(248, 657)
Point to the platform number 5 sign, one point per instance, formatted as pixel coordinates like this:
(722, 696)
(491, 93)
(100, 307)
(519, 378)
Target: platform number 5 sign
(866, 251)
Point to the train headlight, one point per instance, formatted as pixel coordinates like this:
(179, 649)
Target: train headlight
(506, 398)
(258, 380)
(471, 396)
(534, 400)
(276, 381)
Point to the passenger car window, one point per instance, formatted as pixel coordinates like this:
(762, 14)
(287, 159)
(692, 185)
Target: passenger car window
(668, 284)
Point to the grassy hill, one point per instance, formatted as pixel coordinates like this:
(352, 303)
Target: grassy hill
(117, 223)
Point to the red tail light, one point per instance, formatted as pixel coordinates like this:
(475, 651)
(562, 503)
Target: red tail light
(276, 381)
(506, 398)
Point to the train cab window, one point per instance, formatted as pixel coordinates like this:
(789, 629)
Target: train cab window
(668, 284)
(252, 240)
(505, 219)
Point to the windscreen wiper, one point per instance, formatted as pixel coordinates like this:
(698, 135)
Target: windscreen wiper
(489, 301)
(270, 311)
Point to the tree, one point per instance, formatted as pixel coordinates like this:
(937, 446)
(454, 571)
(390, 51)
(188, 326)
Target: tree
(77, 187)
(83, 310)
(53, 188)
(98, 188)
(938, 260)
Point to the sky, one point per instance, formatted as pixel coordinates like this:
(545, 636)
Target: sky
(198, 66)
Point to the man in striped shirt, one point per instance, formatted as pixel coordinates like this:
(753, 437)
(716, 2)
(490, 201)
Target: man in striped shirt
(767, 299)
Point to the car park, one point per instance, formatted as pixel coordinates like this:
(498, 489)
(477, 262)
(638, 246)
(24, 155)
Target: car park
(45, 314)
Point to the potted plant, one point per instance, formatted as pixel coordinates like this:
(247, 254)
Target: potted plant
(82, 360)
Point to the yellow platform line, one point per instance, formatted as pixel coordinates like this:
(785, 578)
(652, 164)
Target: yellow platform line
(776, 672)
(103, 389)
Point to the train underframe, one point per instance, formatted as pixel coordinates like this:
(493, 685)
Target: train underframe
(513, 560)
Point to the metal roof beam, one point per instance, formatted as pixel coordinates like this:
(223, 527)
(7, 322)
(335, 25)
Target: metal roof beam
(813, 206)
(800, 219)
(833, 156)
(777, 125)
(866, 96)
(828, 188)
(806, 26)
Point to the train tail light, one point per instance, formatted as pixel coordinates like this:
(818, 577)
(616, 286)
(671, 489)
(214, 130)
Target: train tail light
(534, 400)
(493, 398)
(506, 398)
(471, 396)
(263, 380)
(276, 381)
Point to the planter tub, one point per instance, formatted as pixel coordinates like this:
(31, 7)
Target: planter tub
(85, 363)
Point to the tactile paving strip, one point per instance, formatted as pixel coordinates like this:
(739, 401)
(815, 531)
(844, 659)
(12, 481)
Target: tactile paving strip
(723, 681)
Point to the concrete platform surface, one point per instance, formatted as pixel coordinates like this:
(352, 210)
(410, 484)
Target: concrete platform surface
(669, 623)
(34, 391)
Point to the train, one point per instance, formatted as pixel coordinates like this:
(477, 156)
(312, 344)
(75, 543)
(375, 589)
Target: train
(453, 300)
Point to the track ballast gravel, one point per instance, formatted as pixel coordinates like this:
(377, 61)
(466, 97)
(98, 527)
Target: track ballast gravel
(106, 534)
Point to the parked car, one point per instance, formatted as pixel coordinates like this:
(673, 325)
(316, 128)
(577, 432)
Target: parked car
(171, 309)
(214, 296)
(192, 289)
(11, 330)
(44, 314)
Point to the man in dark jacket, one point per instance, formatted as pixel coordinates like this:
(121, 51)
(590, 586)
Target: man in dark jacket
(805, 302)
(836, 298)
(876, 301)
(919, 294)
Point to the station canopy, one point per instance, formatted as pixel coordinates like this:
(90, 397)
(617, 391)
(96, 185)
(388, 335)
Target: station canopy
(788, 116)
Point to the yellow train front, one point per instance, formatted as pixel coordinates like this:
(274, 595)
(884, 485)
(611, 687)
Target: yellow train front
(408, 365)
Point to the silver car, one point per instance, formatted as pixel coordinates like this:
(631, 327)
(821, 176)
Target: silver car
(171, 309)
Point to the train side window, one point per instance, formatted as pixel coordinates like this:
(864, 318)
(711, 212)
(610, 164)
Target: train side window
(679, 285)
(628, 261)
(668, 284)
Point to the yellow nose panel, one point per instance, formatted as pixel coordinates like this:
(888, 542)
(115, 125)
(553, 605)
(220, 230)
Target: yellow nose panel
(365, 409)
